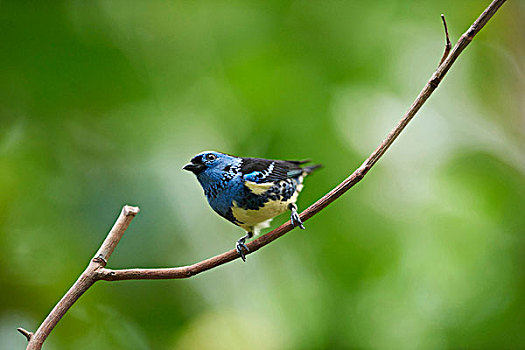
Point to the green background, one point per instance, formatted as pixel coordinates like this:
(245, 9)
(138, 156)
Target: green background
(103, 102)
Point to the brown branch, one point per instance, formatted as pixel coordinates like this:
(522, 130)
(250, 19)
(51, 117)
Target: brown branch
(25, 333)
(354, 178)
(96, 271)
(86, 279)
(448, 45)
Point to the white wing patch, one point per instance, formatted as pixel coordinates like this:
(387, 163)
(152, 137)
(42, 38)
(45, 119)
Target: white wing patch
(268, 171)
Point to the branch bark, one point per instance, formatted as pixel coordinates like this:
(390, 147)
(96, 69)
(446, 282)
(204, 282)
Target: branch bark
(448, 45)
(86, 279)
(96, 270)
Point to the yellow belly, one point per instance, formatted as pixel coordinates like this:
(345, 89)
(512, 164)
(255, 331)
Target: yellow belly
(253, 217)
(254, 220)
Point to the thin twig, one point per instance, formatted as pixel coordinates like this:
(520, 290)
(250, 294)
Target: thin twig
(25, 333)
(96, 270)
(448, 45)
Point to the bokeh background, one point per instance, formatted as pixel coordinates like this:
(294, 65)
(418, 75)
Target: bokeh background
(103, 102)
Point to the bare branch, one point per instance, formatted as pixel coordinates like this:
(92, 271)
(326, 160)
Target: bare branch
(25, 333)
(96, 269)
(86, 279)
(448, 45)
(354, 178)
(110, 243)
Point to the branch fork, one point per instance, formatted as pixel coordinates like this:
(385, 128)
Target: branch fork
(96, 270)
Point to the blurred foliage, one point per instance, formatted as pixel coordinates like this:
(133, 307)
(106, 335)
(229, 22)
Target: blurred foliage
(102, 102)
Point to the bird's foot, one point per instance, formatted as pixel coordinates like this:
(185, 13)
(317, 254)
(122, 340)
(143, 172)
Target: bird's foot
(294, 218)
(240, 246)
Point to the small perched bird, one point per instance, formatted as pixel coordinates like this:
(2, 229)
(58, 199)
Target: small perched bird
(250, 192)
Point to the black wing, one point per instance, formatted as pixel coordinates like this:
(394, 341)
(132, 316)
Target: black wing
(266, 170)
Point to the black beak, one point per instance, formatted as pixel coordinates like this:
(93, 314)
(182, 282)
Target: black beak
(194, 168)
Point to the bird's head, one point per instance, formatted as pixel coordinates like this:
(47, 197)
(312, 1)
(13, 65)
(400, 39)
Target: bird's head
(210, 164)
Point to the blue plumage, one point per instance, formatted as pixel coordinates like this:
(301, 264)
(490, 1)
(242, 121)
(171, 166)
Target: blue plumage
(249, 192)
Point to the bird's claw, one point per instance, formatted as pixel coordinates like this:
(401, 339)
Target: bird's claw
(239, 246)
(296, 220)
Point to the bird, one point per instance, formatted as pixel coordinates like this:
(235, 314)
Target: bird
(250, 192)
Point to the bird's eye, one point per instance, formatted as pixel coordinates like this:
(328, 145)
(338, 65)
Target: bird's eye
(211, 157)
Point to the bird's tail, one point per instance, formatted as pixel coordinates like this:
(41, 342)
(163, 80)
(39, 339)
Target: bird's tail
(302, 171)
(311, 168)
